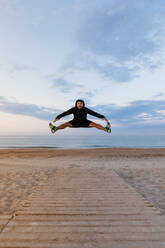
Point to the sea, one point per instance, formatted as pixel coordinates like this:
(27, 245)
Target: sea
(76, 142)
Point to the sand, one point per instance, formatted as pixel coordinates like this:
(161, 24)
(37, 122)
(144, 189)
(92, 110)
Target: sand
(82, 198)
(23, 170)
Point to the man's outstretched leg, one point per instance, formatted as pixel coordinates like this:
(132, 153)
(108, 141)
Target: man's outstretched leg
(98, 126)
(62, 126)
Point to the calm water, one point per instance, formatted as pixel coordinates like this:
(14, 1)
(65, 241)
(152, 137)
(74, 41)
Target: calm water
(81, 141)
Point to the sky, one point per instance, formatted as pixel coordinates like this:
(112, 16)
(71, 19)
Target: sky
(110, 53)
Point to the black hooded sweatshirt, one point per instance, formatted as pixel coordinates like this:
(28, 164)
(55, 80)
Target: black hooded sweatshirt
(80, 115)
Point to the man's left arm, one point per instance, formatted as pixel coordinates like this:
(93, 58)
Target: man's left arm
(91, 112)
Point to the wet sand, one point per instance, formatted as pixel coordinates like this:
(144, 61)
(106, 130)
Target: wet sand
(99, 152)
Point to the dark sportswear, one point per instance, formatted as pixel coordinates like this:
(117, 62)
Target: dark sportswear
(80, 116)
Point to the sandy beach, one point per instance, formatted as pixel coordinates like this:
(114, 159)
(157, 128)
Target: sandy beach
(82, 198)
(23, 170)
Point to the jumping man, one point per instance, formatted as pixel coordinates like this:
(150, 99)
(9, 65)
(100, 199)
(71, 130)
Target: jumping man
(80, 118)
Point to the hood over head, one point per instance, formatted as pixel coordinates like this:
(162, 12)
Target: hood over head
(79, 100)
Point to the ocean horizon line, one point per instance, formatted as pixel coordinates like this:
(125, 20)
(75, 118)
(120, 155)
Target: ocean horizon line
(73, 142)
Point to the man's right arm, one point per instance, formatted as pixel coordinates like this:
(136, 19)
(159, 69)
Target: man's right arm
(68, 112)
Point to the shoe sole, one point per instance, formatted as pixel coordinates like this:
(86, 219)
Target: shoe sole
(51, 128)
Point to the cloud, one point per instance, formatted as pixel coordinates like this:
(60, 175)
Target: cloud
(8, 5)
(87, 94)
(138, 115)
(120, 38)
(32, 110)
(159, 95)
(63, 85)
(118, 73)
(18, 68)
(121, 30)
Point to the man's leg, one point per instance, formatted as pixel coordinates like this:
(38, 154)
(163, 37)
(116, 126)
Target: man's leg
(62, 126)
(98, 126)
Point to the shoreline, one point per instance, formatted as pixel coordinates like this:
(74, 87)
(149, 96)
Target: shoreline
(79, 148)
(83, 152)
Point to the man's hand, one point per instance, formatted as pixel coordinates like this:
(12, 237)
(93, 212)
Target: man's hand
(55, 120)
(105, 119)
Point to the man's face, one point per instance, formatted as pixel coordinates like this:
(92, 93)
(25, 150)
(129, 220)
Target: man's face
(79, 105)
